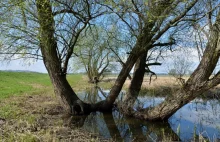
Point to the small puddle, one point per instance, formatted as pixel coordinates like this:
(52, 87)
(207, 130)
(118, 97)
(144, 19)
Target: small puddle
(199, 117)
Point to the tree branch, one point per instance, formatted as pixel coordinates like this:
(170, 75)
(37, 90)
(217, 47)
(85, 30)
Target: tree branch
(173, 21)
(153, 64)
(164, 44)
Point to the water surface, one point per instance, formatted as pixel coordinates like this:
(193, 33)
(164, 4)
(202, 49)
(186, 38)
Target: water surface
(199, 117)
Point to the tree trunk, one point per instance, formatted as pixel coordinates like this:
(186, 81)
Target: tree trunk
(48, 47)
(121, 78)
(135, 85)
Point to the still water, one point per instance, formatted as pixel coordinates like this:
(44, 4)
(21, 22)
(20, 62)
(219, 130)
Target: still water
(199, 117)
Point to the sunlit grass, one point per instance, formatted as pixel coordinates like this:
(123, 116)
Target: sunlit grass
(17, 83)
(20, 83)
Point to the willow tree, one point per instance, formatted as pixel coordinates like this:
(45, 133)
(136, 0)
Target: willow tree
(149, 22)
(93, 54)
(199, 82)
(50, 30)
(151, 28)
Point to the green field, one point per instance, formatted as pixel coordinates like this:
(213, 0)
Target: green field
(17, 83)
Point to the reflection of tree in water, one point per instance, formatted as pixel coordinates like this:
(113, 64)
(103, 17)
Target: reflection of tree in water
(138, 130)
(94, 95)
(115, 125)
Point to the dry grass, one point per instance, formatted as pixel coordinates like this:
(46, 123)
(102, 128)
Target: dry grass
(160, 81)
(167, 81)
(165, 85)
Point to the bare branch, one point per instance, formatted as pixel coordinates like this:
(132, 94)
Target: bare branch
(173, 22)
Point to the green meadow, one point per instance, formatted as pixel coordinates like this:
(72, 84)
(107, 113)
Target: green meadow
(18, 83)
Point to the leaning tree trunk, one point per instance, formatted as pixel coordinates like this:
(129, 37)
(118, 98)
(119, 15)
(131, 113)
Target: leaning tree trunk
(107, 104)
(198, 82)
(48, 48)
(135, 85)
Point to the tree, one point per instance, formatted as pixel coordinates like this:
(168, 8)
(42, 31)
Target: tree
(180, 64)
(151, 21)
(172, 72)
(51, 30)
(93, 54)
(198, 82)
(147, 28)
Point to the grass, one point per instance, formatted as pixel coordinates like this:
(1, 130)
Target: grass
(30, 118)
(30, 111)
(17, 83)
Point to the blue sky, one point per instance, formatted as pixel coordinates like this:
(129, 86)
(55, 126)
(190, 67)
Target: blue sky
(38, 66)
